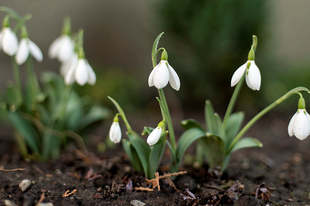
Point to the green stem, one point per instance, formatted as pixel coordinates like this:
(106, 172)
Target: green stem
(233, 100)
(168, 117)
(263, 112)
(17, 77)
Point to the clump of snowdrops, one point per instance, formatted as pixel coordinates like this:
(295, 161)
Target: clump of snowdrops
(46, 115)
(217, 139)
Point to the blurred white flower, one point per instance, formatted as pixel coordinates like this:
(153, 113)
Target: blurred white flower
(252, 76)
(300, 124)
(8, 41)
(62, 48)
(81, 72)
(162, 74)
(115, 132)
(66, 66)
(154, 136)
(27, 46)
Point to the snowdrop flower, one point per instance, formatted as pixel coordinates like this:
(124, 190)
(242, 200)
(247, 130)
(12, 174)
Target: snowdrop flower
(155, 134)
(252, 76)
(8, 39)
(66, 66)
(27, 47)
(115, 132)
(300, 122)
(62, 48)
(164, 73)
(81, 72)
(300, 125)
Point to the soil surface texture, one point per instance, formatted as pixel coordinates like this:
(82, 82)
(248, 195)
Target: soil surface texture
(277, 174)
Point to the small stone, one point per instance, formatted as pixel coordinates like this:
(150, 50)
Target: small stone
(290, 200)
(137, 203)
(9, 203)
(24, 185)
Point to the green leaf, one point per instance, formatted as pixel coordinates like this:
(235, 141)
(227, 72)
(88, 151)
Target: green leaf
(219, 126)
(132, 154)
(156, 154)
(95, 114)
(209, 117)
(214, 149)
(14, 96)
(247, 142)
(191, 123)
(233, 125)
(26, 129)
(154, 49)
(142, 148)
(186, 139)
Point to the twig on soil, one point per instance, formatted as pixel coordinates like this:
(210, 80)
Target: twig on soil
(41, 198)
(143, 189)
(68, 193)
(171, 183)
(12, 170)
(155, 181)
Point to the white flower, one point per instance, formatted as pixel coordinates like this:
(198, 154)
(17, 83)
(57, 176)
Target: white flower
(154, 136)
(252, 76)
(27, 46)
(162, 74)
(81, 72)
(300, 124)
(8, 41)
(62, 48)
(67, 66)
(115, 132)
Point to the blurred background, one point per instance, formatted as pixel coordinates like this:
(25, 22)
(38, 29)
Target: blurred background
(206, 40)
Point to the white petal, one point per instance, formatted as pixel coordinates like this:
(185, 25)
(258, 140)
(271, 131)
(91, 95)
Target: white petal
(291, 125)
(115, 132)
(69, 75)
(302, 125)
(54, 48)
(22, 52)
(66, 49)
(91, 75)
(173, 78)
(81, 73)
(35, 51)
(253, 77)
(9, 42)
(154, 136)
(151, 77)
(237, 75)
(161, 75)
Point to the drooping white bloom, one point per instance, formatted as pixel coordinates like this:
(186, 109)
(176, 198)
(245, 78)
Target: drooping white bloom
(62, 48)
(154, 136)
(8, 41)
(162, 74)
(115, 132)
(252, 76)
(300, 124)
(27, 46)
(67, 66)
(81, 72)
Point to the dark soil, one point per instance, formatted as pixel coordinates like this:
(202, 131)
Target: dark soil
(108, 179)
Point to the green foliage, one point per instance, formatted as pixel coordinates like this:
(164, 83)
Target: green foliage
(209, 39)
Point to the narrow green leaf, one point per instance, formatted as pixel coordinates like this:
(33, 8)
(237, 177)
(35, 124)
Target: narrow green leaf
(219, 126)
(142, 148)
(95, 114)
(233, 125)
(156, 154)
(209, 117)
(26, 129)
(154, 49)
(186, 139)
(132, 154)
(191, 123)
(247, 142)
